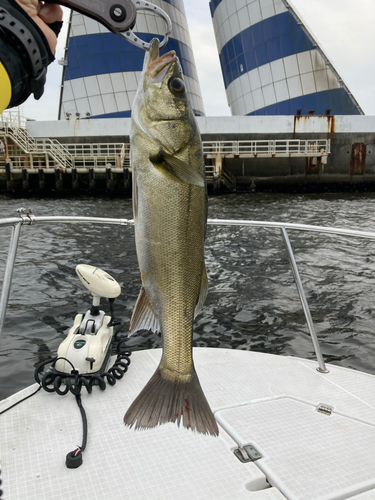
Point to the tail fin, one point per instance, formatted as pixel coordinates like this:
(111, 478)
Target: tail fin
(163, 400)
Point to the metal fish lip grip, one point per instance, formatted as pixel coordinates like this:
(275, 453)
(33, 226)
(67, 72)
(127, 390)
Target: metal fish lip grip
(119, 17)
(132, 38)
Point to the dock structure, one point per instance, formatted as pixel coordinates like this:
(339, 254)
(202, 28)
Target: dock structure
(241, 154)
(315, 150)
(30, 163)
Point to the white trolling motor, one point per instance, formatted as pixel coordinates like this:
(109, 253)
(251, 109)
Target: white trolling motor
(87, 345)
(83, 357)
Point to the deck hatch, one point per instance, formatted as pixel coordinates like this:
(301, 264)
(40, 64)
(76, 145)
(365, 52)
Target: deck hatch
(306, 455)
(247, 454)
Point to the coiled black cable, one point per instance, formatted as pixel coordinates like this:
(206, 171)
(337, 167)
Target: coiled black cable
(52, 380)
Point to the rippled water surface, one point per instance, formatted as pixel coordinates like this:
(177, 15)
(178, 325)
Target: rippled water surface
(252, 301)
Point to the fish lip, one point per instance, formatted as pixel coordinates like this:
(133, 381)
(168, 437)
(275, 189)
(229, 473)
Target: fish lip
(163, 62)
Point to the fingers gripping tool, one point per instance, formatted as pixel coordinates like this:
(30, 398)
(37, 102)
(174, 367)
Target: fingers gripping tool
(119, 17)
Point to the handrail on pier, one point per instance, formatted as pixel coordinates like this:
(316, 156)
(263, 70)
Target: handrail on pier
(268, 148)
(27, 218)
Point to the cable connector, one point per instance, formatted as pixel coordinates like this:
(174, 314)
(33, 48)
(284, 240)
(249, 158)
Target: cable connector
(74, 459)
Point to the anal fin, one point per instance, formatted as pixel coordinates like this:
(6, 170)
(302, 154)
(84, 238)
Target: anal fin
(202, 293)
(143, 317)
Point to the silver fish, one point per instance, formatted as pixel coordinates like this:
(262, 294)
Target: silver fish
(170, 213)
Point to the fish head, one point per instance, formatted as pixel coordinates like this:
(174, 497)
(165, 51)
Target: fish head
(164, 111)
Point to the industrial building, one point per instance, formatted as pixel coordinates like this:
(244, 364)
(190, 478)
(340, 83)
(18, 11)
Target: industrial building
(101, 69)
(272, 64)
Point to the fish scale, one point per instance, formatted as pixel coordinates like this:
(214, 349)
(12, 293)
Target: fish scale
(169, 201)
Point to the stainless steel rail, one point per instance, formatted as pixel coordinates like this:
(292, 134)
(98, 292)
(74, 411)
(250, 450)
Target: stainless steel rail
(27, 218)
(68, 220)
(214, 222)
(7, 283)
(322, 367)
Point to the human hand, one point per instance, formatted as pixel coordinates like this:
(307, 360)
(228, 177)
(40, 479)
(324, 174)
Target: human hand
(43, 14)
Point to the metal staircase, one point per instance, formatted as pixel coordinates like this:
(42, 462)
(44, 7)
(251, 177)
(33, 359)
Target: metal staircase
(55, 150)
(24, 151)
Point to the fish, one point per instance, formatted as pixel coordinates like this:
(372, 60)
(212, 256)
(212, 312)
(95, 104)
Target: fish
(170, 216)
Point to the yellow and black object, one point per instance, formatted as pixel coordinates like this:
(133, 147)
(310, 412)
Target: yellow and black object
(24, 55)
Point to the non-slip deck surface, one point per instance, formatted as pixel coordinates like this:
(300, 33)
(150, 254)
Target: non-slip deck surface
(171, 463)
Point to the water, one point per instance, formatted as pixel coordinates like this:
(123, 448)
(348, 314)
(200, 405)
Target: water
(252, 301)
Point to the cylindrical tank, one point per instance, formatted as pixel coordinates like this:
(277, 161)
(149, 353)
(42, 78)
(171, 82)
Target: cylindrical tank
(101, 70)
(271, 63)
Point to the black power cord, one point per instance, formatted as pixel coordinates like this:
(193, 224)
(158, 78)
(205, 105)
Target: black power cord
(74, 458)
(51, 381)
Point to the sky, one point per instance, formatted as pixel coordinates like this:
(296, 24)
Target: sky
(345, 29)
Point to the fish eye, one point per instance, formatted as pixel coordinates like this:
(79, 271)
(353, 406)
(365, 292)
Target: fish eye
(176, 86)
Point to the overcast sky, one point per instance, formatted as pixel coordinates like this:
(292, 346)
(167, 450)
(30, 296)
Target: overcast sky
(344, 28)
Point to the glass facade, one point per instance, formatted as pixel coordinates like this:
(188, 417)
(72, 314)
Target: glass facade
(102, 71)
(270, 63)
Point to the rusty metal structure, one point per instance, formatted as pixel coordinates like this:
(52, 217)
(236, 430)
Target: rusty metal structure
(40, 163)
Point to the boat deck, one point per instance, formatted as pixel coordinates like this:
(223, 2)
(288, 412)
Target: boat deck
(269, 402)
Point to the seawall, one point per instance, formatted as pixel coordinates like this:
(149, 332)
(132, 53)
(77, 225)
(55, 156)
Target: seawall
(348, 163)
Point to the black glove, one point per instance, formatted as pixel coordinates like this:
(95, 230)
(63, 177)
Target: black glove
(24, 51)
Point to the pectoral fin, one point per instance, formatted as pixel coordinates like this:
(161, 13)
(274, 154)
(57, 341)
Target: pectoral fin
(176, 169)
(143, 317)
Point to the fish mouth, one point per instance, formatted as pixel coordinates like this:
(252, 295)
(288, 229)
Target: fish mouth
(158, 66)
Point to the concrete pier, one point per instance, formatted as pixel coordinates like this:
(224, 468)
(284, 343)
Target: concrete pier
(242, 153)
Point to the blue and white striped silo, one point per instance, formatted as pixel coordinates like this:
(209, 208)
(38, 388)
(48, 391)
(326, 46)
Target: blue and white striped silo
(102, 70)
(271, 63)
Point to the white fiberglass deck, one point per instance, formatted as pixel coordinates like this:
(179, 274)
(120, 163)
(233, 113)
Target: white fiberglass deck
(263, 400)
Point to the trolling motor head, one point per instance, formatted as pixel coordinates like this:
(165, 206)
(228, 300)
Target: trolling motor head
(99, 283)
(87, 345)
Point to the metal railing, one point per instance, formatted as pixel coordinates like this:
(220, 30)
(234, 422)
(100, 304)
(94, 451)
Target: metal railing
(100, 154)
(30, 153)
(28, 218)
(268, 148)
(98, 149)
(12, 118)
(57, 151)
(26, 149)
(228, 178)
